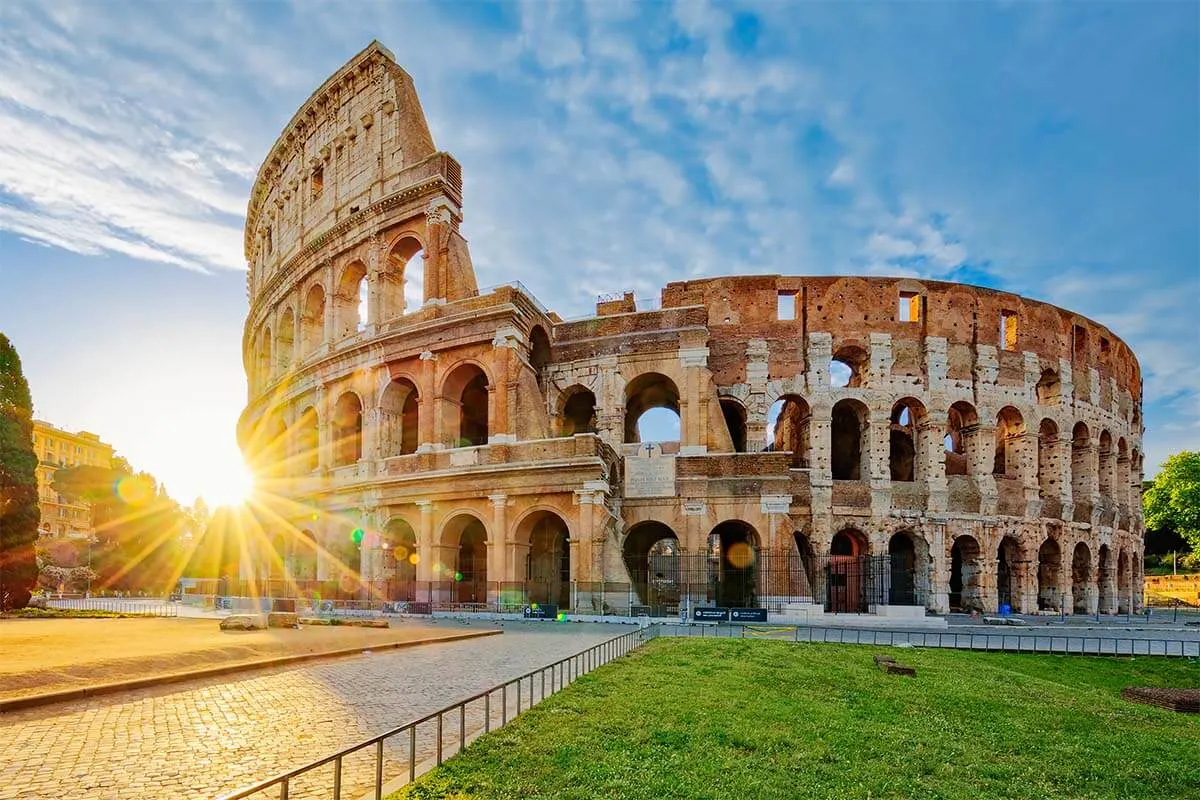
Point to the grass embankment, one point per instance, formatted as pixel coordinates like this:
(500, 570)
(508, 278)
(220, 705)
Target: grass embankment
(690, 718)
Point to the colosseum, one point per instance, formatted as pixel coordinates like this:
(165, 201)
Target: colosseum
(806, 445)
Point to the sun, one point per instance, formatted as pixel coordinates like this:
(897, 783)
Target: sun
(232, 486)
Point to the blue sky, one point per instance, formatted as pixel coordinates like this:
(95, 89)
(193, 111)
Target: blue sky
(1047, 149)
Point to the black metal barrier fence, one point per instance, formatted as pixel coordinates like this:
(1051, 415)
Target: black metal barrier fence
(127, 607)
(1023, 642)
(385, 763)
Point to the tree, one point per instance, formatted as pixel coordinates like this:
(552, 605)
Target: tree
(19, 511)
(1173, 501)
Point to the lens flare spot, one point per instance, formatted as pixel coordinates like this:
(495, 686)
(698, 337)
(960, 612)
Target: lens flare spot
(740, 555)
(414, 559)
(400, 552)
(357, 535)
(135, 491)
(458, 576)
(348, 583)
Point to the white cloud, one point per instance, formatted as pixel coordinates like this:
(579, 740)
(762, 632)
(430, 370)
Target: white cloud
(843, 174)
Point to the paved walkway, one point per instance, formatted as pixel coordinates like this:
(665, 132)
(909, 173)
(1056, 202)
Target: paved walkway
(207, 737)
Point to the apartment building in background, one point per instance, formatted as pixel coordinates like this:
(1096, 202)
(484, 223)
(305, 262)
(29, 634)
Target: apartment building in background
(57, 448)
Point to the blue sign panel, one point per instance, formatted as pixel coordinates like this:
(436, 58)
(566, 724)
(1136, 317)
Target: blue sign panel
(748, 615)
(710, 614)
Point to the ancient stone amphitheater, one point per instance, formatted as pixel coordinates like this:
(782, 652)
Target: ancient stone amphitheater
(824, 444)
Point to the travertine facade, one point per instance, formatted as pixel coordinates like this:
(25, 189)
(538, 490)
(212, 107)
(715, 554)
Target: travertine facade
(489, 451)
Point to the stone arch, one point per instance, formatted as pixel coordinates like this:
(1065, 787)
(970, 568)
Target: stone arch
(903, 439)
(539, 354)
(402, 286)
(285, 342)
(788, 423)
(646, 392)
(265, 365)
(849, 440)
(1049, 575)
(1010, 573)
(307, 554)
(312, 321)
(577, 410)
(1122, 480)
(547, 566)
(350, 300)
(465, 398)
(1081, 578)
(399, 408)
(846, 572)
(961, 421)
(848, 367)
(650, 553)
(398, 559)
(908, 575)
(347, 426)
(308, 441)
(465, 536)
(735, 421)
(1010, 430)
(966, 568)
(733, 547)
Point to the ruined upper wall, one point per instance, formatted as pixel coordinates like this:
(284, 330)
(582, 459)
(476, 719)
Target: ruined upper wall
(360, 136)
(741, 308)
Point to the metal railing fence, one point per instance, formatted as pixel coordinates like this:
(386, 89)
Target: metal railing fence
(417, 746)
(1007, 642)
(130, 607)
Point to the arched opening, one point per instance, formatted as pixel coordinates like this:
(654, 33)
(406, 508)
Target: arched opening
(651, 555)
(1083, 472)
(848, 367)
(848, 442)
(1010, 427)
(1049, 388)
(347, 430)
(1122, 481)
(907, 415)
(961, 420)
(735, 421)
(305, 559)
(312, 321)
(909, 556)
(404, 279)
(548, 564)
(802, 573)
(846, 573)
(539, 354)
(788, 422)
(1081, 578)
(1009, 569)
(399, 558)
(285, 342)
(652, 409)
(465, 395)
(1049, 565)
(1104, 580)
(732, 562)
(1124, 598)
(308, 442)
(350, 301)
(277, 566)
(965, 568)
(1048, 471)
(578, 414)
(399, 411)
(465, 536)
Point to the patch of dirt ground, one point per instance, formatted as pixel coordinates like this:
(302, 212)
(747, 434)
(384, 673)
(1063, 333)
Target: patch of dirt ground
(49, 655)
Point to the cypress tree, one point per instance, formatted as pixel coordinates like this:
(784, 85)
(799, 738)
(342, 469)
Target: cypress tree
(19, 511)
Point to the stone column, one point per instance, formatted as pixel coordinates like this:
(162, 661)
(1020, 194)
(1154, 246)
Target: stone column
(429, 407)
(500, 568)
(931, 459)
(939, 550)
(980, 443)
(693, 401)
(371, 445)
(879, 446)
(1026, 451)
(425, 554)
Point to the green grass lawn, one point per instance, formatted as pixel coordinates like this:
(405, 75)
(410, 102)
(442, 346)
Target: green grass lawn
(697, 718)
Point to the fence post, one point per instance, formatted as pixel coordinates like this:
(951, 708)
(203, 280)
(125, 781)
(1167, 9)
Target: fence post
(439, 744)
(412, 754)
(379, 770)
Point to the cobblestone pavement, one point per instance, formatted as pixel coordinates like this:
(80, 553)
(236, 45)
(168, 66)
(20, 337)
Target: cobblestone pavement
(206, 737)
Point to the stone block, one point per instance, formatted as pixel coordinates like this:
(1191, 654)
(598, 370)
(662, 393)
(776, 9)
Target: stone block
(282, 619)
(244, 622)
